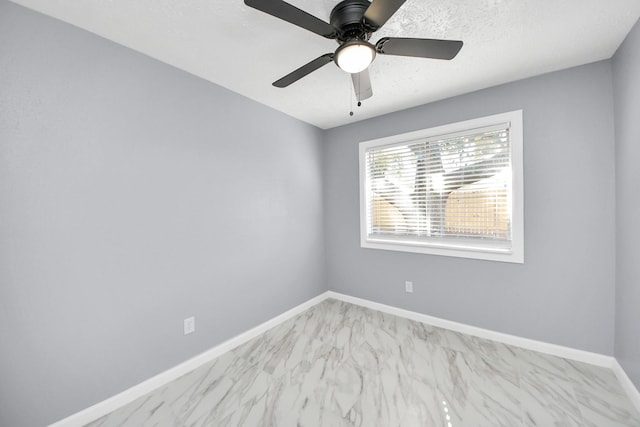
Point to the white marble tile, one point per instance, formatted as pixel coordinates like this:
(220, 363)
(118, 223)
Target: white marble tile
(548, 401)
(605, 409)
(339, 364)
(593, 377)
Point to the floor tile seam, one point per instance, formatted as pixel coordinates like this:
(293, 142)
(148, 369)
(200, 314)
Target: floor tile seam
(522, 392)
(620, 394)
(562, 409)
(572, 396)
(624, 401)
(578, 405)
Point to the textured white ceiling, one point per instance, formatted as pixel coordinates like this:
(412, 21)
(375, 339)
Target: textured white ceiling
(245, 50)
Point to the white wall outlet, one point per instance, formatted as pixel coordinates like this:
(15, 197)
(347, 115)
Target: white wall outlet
(408, 286)
(189, 325)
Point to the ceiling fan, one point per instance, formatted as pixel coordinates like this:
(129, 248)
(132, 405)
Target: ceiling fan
(351, 24)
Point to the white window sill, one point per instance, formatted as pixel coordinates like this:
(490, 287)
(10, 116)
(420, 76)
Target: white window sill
(512, 255)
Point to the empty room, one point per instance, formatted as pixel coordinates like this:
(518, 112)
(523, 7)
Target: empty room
(319, 213)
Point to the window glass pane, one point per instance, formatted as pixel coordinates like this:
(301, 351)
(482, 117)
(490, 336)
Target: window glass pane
(454, 187)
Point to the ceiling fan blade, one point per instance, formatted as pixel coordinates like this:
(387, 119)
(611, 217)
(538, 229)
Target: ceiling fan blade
(422, 48)
(380, 11)
(362, 85)
(304, 70)
(293, 15)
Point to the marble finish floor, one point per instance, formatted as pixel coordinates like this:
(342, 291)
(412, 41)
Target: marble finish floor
(339, 364)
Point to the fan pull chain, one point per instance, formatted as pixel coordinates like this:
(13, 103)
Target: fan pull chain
(359, 88)
(350, 98)
(359, 103)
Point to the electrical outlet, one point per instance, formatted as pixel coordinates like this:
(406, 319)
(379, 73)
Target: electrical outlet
(408, 286)
(189, 325)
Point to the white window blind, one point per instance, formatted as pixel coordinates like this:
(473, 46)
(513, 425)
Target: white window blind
(451, 189)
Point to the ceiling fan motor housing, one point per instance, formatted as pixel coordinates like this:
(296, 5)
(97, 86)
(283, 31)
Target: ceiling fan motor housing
(346, 18)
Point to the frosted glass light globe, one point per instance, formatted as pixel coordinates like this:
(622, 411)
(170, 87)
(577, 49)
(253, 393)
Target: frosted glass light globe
(354, 56)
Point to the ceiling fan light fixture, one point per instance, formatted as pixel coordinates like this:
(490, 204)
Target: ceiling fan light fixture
(354, 56)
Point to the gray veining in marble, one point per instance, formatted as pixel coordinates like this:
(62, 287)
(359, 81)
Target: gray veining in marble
(339, 364)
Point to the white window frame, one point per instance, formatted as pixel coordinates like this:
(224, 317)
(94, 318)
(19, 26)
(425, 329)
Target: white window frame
(514, 253)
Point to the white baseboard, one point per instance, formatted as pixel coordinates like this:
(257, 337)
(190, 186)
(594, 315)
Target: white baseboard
(101, 409)
(542, 347)
(111, 404)
(627, 385)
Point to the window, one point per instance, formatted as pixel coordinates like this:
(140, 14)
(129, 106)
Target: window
(452, 190)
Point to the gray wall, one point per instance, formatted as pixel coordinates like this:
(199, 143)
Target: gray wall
(564, 292)
(133, 195)
(626, 68)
